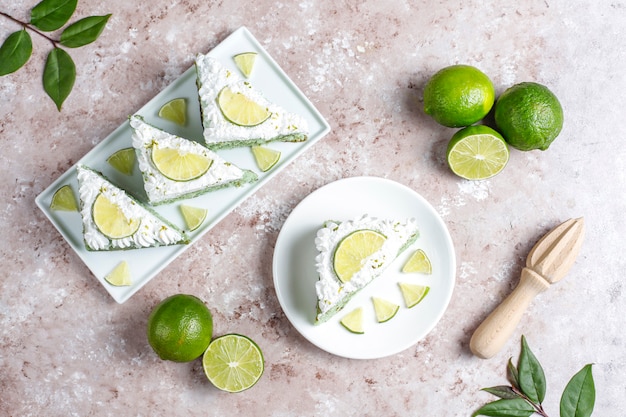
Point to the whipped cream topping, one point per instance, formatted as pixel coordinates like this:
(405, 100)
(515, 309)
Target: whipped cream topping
(329, 288)
(152, 231)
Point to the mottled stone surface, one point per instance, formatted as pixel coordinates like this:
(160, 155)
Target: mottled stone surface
(67, 349)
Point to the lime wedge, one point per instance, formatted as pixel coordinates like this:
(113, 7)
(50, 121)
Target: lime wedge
(193, 216)
(418, 262)
(110, 219)
(245, 62)
(353, 250)
(233, 362)
(179, 166)
(477, 153)
(175, 111)
(413, 293)
(123, 160)
(240, 110)
(120, 275)
(265, 158)
(353, 321)
(385, 310)
(63, 199)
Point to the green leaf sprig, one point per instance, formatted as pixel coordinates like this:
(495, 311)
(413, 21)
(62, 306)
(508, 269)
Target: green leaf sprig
(59, 71)
(525, 395)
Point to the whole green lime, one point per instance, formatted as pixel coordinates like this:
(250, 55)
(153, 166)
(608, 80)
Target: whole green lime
(458, 96)
(529, 116)
(180, 328)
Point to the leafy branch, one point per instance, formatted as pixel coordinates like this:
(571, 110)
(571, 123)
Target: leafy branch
(526, 393)
(59, 71)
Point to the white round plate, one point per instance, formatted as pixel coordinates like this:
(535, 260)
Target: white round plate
(295, 274)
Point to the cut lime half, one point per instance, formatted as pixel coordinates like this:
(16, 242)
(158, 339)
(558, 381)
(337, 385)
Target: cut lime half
(123, 160)
(175, 111)
(265, 158)
(240, 110)
(63, 199)
(245, 62)
(120, 275)
(353, 250)
(418, 262)
(477, 153)
(413, 294)
(353, 321)
(385, 310)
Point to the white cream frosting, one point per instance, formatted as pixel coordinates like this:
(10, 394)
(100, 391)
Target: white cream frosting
(329, 288)
(152, 231)
(160, 188)
(212, 78)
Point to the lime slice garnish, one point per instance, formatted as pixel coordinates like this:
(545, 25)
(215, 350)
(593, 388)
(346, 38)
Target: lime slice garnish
(110, 219)
(353, 250)
(63, 199)
(385, 310)
(233, 362)
(240, 110)
(245, 62)
(193, 216)
(418, 262)
(265, 158)
(123, 160)
(175, 111)
(413, 293)
(179, 166)
(353, 321)
(477, 153)
(120, 275)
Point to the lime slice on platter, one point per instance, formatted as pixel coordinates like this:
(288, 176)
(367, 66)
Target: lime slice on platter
(353, 321)
(179, 166)
(245, 62)
(418, 262)
(413, 294)
(353, 250)
(111, 220)
(64, 199)
(240, 110)
(193, 216)
(120, 275)
(385, 310)
(265, 158)
(123, 160)
(175, 111)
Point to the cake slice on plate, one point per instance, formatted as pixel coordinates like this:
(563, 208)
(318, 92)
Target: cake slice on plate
(234, 113)
(174, 168)
(112, 219)
(352, 254)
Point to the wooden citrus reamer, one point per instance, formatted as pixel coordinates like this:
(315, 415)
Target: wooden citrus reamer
(547, 263)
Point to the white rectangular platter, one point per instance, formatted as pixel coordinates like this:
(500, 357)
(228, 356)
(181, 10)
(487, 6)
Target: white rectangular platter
(145, 264)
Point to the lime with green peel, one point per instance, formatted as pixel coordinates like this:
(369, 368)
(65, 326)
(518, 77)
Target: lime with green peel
(413, 294)
(353, 321)
(265, 158)
(120, 275)
(385, 310)
(353, 249)
(418, 262)
(111, 220)
(64, 199)
(240, 110)
(175, 111)
(233, 363)
(180, 328)
(123, 160)
(477, 153)
(245, 62)
(529, 116)
(458, 96)
(193, 216)
(179, 166)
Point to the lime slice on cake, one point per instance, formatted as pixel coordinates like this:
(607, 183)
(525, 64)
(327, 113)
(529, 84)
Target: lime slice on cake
(240, 110)
(110, 219)
(233, 362)
(385, 310)
(175, 111)
(265, 158)
(123, 160)
(179, 166)
(353, 321)
(477, 153)
(120, 275)
(63, 199)
(353, 250)
(245, 62)
(193, 216)
(418, 262)
(413, 294)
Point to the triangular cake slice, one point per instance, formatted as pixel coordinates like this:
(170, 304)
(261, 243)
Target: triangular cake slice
(253, 120)
(336, 286)
(174, 168)
(114, 220)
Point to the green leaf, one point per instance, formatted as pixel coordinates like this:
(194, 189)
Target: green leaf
(59, 75)
(506, 408)
(502, 391)
(512, 374)
(50, 15)
(579, 396)
(15, 52)
(532, 380)
(84, 31)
